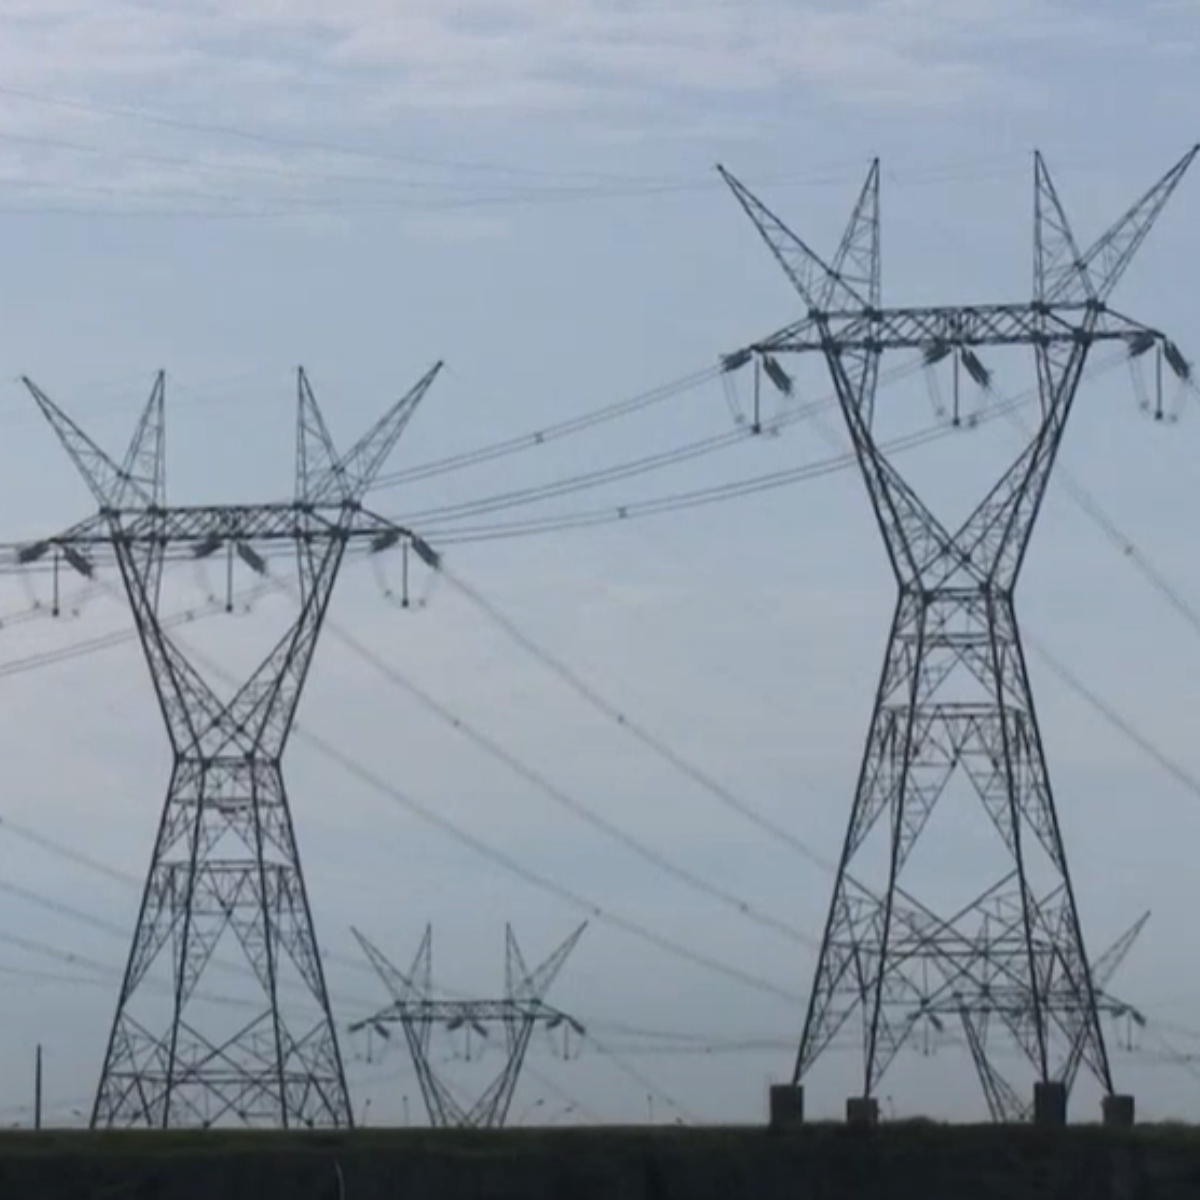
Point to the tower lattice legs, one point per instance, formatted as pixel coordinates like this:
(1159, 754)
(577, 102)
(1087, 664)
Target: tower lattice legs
(226, 875)
(954, 697)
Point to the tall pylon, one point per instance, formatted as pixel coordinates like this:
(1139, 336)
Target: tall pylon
(954, 695)
(225, 869)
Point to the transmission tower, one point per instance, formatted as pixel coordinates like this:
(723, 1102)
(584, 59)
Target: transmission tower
(521, 1011)
(225, 867)
(954, 694)
(1005, 1104)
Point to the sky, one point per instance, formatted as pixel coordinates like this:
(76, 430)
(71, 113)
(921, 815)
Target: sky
(527, 191)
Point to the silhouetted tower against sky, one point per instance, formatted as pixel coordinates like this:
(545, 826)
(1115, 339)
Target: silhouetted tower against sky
(954, 694)
(519, 1013)
(225, 870)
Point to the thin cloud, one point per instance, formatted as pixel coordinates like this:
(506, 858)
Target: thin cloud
(363, 68)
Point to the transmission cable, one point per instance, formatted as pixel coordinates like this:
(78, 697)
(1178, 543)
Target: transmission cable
(33, 837)
(550, 433)
(638, 466)
(52, 846)
(668, 503)
(45, 950)
(560, 796)
(1132, 554)
(1114, 718)
(734, 489)
(501, 858)
(568, 485)
(641, 1078)
(1090, 506)
(589, 693)
(572, 1103)
(62, 908)
(635, 730)
(677, 502)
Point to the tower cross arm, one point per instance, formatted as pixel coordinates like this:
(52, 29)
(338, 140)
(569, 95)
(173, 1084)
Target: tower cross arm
(199, 530)
(934, 328)
(90, 532)
(467, 1011)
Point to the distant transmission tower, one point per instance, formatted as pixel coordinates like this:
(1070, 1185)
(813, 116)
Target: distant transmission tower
(954, 694)
(226, 867)
(417, 1012)
(1005, 1104)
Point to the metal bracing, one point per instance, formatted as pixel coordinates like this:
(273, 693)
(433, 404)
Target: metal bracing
(418, 1013)
(980, 1008)
(954, 698)
(225, 867)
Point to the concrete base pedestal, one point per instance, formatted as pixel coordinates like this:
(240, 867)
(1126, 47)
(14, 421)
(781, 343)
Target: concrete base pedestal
(862, 1111)
(1049, 1104)
(786, 1106)
(1118, 1112)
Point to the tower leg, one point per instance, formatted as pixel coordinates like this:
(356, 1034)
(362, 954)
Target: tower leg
(954, 700)
(255, 1044)
(258, 1051)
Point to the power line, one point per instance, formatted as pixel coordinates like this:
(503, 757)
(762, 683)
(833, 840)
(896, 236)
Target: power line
(109, 641)
(284, 141)
(560, 796)
(735, 489)
(633, 728)
(551, 433)
(92, 920)
(563, 797)
(640, 1077)
(541, 882)
(428, 518)
(455, 533)
(1114, 718)
(500, 858)
(678, 501)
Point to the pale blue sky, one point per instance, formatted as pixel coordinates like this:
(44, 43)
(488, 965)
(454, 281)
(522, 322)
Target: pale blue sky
(526, 189)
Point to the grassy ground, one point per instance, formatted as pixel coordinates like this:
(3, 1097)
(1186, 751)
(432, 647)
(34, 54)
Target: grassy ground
(907, 1134)
(897, 1161)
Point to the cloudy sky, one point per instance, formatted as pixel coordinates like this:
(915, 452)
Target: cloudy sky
(526, 190)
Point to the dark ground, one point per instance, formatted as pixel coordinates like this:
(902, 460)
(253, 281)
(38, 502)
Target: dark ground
(819, 1162)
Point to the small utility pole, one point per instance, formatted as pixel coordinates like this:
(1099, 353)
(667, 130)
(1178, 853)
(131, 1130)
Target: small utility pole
(37, 1088)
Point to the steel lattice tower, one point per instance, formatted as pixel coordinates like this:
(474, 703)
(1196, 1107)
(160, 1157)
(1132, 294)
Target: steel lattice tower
(417, 1011)
(954, 694)
(225, 865)
(1005, 1105)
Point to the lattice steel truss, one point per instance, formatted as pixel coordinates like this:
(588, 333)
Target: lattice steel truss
(418, 1013)
(978, 1018)
(225, 866)
(954, 695)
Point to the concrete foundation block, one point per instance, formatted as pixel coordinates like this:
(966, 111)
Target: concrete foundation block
(1049, 1104)
(862, 1111)
(1118, 1111)
(786, 1106)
